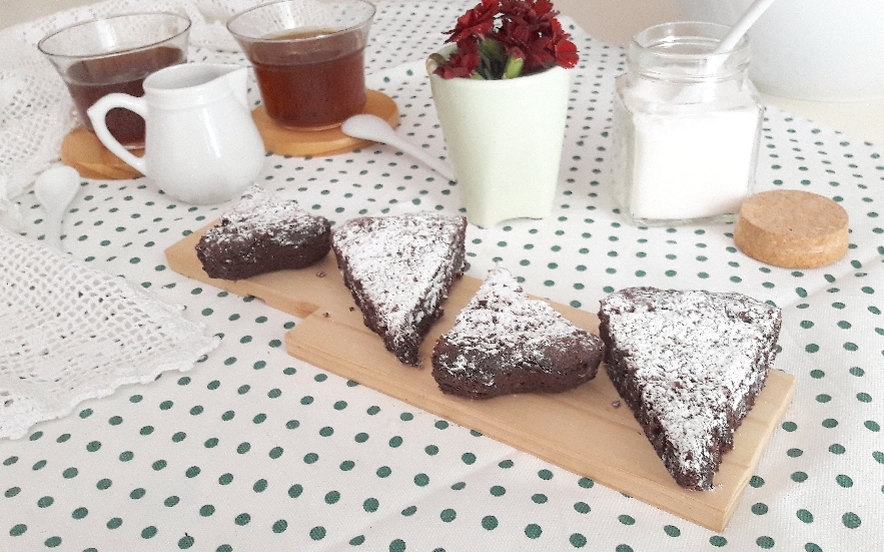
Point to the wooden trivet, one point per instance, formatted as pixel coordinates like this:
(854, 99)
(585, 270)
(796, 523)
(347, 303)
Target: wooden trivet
(303, 143)
(82, 150)
(792, 229)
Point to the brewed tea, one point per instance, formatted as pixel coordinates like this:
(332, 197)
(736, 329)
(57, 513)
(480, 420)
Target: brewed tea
(310, 79)
(92, 79)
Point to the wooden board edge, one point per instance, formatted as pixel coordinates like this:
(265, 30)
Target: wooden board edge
(182, 259)
(773, 402)
(689, 505)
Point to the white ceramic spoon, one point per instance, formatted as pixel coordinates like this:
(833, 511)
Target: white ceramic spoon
(729, 41)
(741, 27)
(372, 127)
(55, 189)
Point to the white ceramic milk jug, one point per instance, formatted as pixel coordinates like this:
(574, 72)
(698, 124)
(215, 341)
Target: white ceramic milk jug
(201, 144)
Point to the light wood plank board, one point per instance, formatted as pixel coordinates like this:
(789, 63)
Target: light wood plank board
(586, 430)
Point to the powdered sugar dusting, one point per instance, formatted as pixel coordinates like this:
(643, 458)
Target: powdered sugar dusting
(260, 215)
(501, 320)
(696, 356)
(403, 264)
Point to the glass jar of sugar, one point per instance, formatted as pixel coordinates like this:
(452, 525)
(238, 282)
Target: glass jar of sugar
(686, 127)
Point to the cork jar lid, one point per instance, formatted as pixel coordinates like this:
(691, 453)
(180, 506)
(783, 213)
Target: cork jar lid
(792, 229)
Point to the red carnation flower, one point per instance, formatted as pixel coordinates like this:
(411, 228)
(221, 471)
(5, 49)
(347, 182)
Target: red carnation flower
(507, 38)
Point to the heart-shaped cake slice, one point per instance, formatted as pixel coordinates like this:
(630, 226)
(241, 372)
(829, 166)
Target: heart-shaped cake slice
(505, 342)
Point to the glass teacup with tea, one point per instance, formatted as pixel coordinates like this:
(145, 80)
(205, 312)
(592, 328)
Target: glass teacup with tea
(116, 54)
(308, 57)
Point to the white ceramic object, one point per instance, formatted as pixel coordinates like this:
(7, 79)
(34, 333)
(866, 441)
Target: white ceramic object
(742, 25)
(820, 50)
(504, 139)
(201, 144)
(55, 189)
(371, 127)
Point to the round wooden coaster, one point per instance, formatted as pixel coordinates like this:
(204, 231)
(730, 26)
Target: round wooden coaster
(792, 229)
(303, 143)
(82, 150)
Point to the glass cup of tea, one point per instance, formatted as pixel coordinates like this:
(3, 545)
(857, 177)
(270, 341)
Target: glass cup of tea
(308, 57)
(116, 54)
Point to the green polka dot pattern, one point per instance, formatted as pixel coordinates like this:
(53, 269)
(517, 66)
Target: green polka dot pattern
(254, 450)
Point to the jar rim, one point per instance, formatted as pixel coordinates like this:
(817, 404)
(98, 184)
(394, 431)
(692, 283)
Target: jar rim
(686, 50)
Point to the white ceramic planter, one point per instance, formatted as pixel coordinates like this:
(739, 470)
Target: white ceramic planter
(504, 140)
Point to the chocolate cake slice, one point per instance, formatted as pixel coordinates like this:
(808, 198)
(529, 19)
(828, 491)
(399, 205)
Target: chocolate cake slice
(400, 269)
(689, 364)
(505, 342)
(263, 234)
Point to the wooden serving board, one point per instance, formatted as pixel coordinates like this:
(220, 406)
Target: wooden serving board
(586, 430)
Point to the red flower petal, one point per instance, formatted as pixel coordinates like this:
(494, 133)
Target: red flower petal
(476, 22)
(526, 29)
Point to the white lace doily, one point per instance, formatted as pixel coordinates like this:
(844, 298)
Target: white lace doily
(72, 333)
(36, 111)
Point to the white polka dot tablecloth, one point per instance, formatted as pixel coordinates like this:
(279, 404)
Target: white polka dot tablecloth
(254, 450)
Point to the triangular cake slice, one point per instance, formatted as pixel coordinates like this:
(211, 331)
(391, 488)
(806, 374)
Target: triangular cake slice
(689, 364)
(400, 269)
(263, 233)
(505, 342)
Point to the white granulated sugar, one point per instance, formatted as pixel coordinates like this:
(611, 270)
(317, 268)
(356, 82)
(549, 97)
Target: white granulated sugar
(686, 157)
(400, 262)
(501, 320)
(692, 166)
(695, 358)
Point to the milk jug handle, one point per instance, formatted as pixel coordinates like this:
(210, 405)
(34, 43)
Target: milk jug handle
(97, 114)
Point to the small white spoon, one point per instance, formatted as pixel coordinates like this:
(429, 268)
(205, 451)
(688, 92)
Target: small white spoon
(741, 27)
(55, 189)
(372, 127)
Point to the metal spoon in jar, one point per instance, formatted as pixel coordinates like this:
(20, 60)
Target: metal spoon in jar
(372, 127)
(55, 189)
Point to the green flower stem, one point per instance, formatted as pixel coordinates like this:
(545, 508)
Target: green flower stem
(493, 59)
(513, 67)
